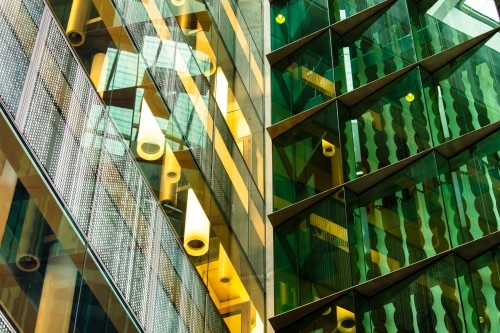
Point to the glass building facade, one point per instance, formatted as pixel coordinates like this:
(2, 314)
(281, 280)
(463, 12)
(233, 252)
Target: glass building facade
(385, 165)
(132, 166)
(249, 166)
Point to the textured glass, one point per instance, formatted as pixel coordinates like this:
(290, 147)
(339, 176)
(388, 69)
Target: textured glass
(294, 19)
(473, 206)
(386, 127)
(439, 25)
(450, 295)
(311, 255)
(399, 221)
(307, 160)
(115, 218)
(464, 95)
(49, 279)
(303, 80)
(379, 46)
(426, 302)
(482, 290)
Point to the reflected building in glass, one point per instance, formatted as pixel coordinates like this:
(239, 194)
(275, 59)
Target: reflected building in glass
(132, 166)
(385, 165)
(249, 166)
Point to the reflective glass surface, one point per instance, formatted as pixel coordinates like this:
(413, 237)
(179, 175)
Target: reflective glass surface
(463, 96)
(311, 255)
(303, 80)
(386, 127)
(307, 160)
(50, 279)
(184, 112)
(439, 25)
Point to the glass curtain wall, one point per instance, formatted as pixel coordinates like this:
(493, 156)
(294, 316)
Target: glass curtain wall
(191, 126)
(371, 128)
(451, 295)
(50, 278)
(429, 207)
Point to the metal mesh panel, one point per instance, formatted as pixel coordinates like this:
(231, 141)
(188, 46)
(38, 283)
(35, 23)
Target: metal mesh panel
(95, 176)
(14, 53)
(5, 326)
(161, 57)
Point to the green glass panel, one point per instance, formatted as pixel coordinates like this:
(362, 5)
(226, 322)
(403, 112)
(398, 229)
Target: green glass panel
(464, 95)
(400, 221)
(380, 46)
(388, 126)
(336, 316)
(485, 288)
(473, 182)
(464, 280)
(425, 302)
(307, 159)
(311, 255)
(294, 19)
(303, 80)
(439, 25)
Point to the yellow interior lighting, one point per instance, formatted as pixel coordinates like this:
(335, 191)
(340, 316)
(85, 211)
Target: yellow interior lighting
(197, 228)
(345, 321)
(224, 266)
(280, 19)
(410, 97)
(150, 138)
(328, 148)
(199, 104)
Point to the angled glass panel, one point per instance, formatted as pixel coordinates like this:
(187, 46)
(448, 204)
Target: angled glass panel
(467, 293)
(474, 205)
(401, 220)
(311, 254)
(484, 286)
(439, 25)
(294, 19)
(428, 301)
(379, 46)
(337, 316)
(174, 150)
(386, 127)
(464, 95)
(45, 261)
(302, 80)
(307, 159)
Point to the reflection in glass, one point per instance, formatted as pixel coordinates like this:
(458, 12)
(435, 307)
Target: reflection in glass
(45, 268)
(385, 127)
(379, 46)
(197, 229)
(303, 80)
(399, 221)
(307, 159)
(463, 96)
(439, 25)
(311, 255)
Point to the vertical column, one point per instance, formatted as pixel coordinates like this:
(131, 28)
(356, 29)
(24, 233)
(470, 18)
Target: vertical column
(56, 301)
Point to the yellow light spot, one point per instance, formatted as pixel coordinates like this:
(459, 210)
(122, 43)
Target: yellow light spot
(178, 3)
(410, 97)
(280, 18)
